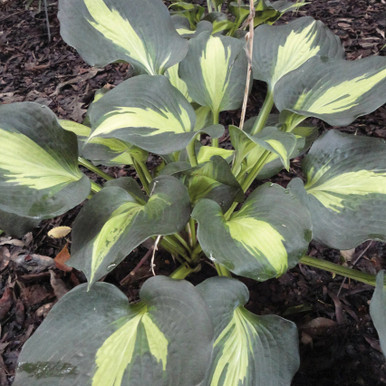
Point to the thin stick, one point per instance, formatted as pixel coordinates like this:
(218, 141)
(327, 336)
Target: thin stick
(155, 249)
(249, 37)
(47, 20)
(132, 273)
(356, 260)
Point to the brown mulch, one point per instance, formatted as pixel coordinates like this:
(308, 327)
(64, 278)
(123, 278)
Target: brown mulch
(338, 342)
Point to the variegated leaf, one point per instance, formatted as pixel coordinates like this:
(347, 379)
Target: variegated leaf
(207, 152)
(77, 128)
(105, 151)
(214, 180)
(336, 91)
(305, 136)
(280, 143)
(39, 174)
(112, 152)
(146, 111)
(183, 28)
(138, 31)
(345, 189)
(278, 50)
(96, 338)
(131, 186)
(378, 309)
(120, 222)
(266, 237)
(177, 82)
(215, 71)
(248, 349)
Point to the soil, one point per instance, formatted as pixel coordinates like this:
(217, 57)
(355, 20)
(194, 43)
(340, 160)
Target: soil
(338, 342)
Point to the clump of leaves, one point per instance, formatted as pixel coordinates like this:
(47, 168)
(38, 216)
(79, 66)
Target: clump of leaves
(194, 205)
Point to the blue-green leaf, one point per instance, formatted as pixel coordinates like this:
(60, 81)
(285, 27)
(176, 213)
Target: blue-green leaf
(266, 237)
(278, 50)
(336, 91)
(140, 32)
(378, 309)
(121, 221)
(345, 189)
(215, 71)
(39, 174)
(248, 349)
(96, 338)
(146, 111)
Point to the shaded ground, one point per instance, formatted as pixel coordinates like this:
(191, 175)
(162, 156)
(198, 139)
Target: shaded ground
(338, 343)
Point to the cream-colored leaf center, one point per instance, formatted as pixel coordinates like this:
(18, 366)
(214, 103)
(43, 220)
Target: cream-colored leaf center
(261, 240)
(236, 352)
(111, 231)
(118, 351)
(334, 191)
(24, 162)
(215, 69)
(162, 121)
(296, 50)
(114, 27)
(340, 97)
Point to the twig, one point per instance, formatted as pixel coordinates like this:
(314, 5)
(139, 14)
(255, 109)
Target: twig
(128, 277)
(155, 248)
(47, 20)
(356, 260)
(249, 52)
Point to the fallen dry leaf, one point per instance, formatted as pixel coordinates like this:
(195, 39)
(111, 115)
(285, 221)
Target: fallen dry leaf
(59, 232)
(14, 242)
(33, 263)
(43, 311)
(61, 258)
(35, 294)
(348, 254)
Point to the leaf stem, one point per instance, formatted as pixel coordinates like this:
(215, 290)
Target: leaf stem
(263, 114)
(87, 164)
(196, 253)
(221, 270)
(184, 270)
(141, 175)
(174, 248)
(248, 180)
(255, 170)
(339, 270)
(191, 151)
(216, 118)
(192, 233)
(181, 241)
(95, 188)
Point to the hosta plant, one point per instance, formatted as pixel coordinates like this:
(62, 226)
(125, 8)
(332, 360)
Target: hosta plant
(202, 201)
